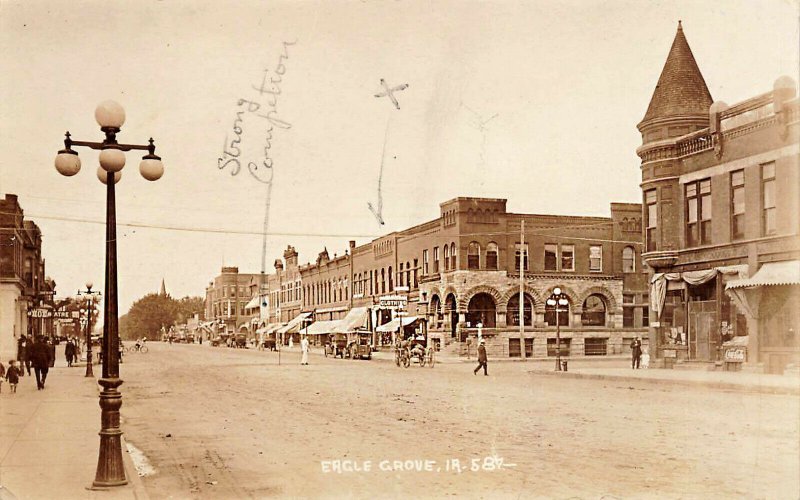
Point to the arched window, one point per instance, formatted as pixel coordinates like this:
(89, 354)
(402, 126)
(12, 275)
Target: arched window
(391, 279)
(446, 257)
(594, 311)
(383, 280)
(512, 314)
(453, 256)
(400, 275)
(491, 256)
(408, 275)
(550, 315)
(474, 256)
(628, 260)
(481, 309)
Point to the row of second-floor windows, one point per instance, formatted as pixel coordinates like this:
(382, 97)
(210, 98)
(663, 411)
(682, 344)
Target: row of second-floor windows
(290, 291)
(556, 258)
(334, 290)
(228, 308)
(562, 257)
(231, 291)
(698, 202)
(699, 197)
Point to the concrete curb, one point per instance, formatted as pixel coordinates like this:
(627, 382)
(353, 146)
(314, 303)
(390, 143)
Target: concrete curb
(134, 480)
(711, 384)
(135, 483)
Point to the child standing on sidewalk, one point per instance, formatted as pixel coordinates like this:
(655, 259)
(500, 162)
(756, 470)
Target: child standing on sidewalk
(12, 375)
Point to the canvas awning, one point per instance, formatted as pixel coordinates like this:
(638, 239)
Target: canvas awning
(269, 328)
(254, 303)
(356, 319)
(321, 327)
(771, 274)
(661, 282)
(208, 326)
(294, 325)
(746, 293)
(394, 324)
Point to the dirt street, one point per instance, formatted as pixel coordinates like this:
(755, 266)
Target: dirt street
(224, 423)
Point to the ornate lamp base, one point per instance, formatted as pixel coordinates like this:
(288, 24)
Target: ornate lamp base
(110, 468)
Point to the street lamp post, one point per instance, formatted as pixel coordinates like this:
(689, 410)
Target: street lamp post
(556, 299)
(110, 116)
(91, 298)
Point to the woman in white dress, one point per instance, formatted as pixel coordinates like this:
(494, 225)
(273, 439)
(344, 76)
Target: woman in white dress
(304, 350)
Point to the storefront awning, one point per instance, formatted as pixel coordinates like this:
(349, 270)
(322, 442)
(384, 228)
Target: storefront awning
(394, 324)
(294, 325)
(254, 303)
(661, 282)
(771, 274)
(747, 293)
(270, 328)
(356, 319)
(321, 327)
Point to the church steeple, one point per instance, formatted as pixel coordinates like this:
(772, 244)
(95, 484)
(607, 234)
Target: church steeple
(681, 90)
(163, 291)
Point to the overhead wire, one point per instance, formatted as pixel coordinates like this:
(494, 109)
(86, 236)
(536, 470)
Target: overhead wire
(541, 231)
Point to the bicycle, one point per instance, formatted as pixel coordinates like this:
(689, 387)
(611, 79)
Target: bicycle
(137, 348)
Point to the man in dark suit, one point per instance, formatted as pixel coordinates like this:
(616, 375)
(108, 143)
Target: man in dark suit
(481, 358)
(636, 353)
(39, 356)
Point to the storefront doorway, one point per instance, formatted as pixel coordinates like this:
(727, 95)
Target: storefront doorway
(703, 334)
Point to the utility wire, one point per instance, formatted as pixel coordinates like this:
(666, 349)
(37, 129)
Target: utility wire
(543, 231)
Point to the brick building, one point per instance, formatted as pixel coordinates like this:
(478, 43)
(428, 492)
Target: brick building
(721, 195)
(226, 298)
(463, 268)
(23, 283)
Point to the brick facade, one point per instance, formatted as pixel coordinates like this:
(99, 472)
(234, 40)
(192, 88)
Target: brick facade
(721, 192)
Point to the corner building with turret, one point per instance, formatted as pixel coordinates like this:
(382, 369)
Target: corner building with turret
(721, 217)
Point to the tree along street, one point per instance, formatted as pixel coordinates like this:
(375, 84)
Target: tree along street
(232, 423)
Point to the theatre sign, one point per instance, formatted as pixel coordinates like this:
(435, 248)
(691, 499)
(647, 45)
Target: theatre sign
(41, 312)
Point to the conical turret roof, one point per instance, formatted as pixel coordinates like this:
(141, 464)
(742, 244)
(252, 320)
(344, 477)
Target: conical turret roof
(681, 89)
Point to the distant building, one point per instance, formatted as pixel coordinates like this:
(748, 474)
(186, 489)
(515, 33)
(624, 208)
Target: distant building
(226, 297)
(721, 211)
(24, 288)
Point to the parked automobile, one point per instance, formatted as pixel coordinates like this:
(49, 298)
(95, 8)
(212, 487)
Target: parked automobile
(360, 346)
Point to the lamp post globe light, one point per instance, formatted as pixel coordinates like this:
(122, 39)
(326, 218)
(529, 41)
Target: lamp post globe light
(91, 298)
(558, 300)
(110, 116)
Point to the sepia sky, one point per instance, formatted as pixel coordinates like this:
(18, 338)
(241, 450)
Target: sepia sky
(562, 85)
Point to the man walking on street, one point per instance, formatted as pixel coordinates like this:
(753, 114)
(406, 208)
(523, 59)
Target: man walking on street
(39, 356)
(481, 358)
(636, 352)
